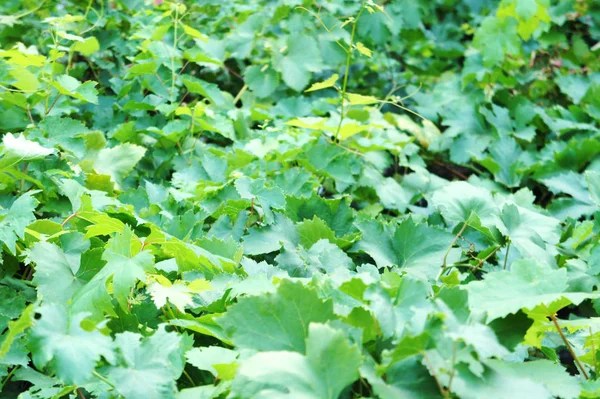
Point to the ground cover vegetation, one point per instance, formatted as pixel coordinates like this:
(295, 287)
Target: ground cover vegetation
(299, 199)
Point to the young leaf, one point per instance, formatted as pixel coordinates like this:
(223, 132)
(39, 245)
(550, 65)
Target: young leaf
(329, 82)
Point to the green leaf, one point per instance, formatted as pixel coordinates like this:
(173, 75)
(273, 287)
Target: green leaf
(59, 340)
(458, 200)
(57, 275)
(14, 220)
(329, 82)
(278, 321)
(301, 59)
(88, 47)
(527, 285)
(262, 83)
(495, 38)
(271, 238)
(63, 132)
(70, 86)
(208, 358)
(208, 90)
(118, 161)
(178, 294)
(359, 99)
(314, 230)
(574, 86)
(267, 197)
(364, 50)
(146, 68)
(330, 365)
(417, 248)
(551, 376)
(593, 180)
(16, 328)
(22, 149)
(140, 373)
(530, 232)
(123, 266)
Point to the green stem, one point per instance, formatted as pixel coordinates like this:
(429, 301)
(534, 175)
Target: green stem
(462, 230)
(506, 255)
(240, 93)
(594, 352)
(8, 377)
(569, 347)
(171, 313)
(173, 75)
(347, 71)
(443, 390)
(482, 261)
(103, 379)
(189, 378)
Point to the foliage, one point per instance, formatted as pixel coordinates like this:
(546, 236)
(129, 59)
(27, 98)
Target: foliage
(316, 199)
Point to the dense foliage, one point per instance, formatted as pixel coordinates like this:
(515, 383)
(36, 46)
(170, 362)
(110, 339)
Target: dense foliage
(299, 199)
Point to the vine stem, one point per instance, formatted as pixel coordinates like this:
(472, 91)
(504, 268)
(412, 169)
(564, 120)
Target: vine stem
(103, 379)
(240, 93)
(53, 104)
(594, 352)
(453, 372)
(569, 347)
(482, 261)
(189, 378)
(173, 75)
(462, 230)
(506, 255)
(347, 71)
(443, 390)
(8, 377)
(29, 115)
(71, 216)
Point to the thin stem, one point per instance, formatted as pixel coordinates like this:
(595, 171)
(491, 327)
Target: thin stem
(171, 313)
(24, 168)
(98, 17)
(394, 88)
(453, 368)
(68, 218)
(161, 81)
(8, 377)
(341, 146)
(404, 108)
(506, 255)
(462, 229)
(55, 42)
(180, 148)
(452, 170)
(569, 347)
(443, 390)
(81, 395)
(347, 71)
(329, 30)
(193, 121)
(173, 75)
(240, 93)
(182, 69)
(30, 117)
(189, 378)
(31, 11)
(594, 352)
(29, 274)
(183, 98)
(53, 104)
(103, 379)
(482, 261)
